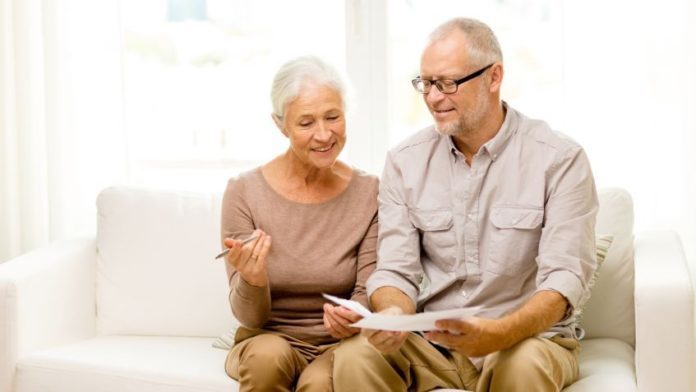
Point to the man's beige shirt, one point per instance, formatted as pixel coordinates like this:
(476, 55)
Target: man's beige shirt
(488, 236)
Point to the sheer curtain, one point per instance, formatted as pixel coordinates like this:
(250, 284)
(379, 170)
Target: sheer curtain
(630, 95)
(60, 132)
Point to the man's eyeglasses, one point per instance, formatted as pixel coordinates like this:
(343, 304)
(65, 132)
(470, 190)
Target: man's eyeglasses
(446, 86)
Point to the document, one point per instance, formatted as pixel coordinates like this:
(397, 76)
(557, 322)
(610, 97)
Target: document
(411, 322)
(355, 306)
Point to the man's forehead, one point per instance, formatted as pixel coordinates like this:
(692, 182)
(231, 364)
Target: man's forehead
(447, 52)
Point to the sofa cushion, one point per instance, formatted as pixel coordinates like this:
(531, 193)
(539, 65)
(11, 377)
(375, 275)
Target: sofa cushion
(602, 246)
(605, 365)
(127, 363)
(160, 364)
(155, 269)
(609, 311)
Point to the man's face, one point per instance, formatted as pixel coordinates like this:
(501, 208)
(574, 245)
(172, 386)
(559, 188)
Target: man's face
(462, 111)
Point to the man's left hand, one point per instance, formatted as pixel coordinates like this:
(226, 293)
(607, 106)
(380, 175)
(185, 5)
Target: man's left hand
(473, 337)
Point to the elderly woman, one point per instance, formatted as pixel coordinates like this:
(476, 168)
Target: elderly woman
(321, 215)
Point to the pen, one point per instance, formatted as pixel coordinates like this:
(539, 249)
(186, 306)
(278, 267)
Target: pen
(244, 242)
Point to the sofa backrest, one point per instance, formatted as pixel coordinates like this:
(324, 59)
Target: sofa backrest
(155, 269)
(156, 274)
(610, 311)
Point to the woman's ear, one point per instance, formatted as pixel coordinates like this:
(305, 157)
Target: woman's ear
(279, 123)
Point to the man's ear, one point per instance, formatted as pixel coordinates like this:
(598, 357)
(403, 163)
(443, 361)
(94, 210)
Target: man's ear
(279, 123)
(496, 76)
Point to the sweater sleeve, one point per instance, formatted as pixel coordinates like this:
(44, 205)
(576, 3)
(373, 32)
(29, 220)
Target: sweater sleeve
(250, 305)
(367, 260)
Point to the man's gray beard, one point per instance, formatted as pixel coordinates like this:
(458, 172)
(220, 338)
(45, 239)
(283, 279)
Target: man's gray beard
(450, 129)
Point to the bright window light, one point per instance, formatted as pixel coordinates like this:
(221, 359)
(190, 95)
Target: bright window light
(197, 76)
(529, 32)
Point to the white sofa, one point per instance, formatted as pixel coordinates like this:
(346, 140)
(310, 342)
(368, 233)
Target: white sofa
(137, 308)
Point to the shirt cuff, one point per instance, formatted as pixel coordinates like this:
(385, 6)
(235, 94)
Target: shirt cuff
(565, 283)
(383, 278)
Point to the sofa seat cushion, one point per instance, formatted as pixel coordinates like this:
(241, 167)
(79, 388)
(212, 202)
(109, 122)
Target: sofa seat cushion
(127, 363)
(605, 365)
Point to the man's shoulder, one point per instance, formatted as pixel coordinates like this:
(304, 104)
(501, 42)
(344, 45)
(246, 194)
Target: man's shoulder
(422, 139)
(540, 134)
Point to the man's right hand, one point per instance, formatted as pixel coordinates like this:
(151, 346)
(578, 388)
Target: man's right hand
(387, 341)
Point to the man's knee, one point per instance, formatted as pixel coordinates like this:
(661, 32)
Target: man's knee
(344, 357)
(526, 355)
(529, 362)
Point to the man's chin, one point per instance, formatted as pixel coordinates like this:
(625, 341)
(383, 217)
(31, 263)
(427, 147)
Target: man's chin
(447, 129)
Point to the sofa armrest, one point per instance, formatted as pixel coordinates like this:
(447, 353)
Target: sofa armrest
(47, 298)
(664, 305)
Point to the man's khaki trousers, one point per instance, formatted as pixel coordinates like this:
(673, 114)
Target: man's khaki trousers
(535, 364)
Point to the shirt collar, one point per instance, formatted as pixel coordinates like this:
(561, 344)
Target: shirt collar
(496, 145)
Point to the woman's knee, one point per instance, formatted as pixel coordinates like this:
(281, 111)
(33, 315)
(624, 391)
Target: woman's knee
(268, 358)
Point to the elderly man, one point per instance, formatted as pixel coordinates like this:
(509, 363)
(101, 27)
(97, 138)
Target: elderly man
(488, 211)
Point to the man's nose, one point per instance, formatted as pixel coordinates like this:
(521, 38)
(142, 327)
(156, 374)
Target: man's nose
(434, 95)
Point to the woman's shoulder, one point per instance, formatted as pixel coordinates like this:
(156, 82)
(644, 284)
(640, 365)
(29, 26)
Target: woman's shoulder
(363, 189)
(248, 179)
(365, 180)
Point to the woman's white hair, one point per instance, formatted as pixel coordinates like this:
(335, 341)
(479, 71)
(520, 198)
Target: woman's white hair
(484, 48)
(294, 74)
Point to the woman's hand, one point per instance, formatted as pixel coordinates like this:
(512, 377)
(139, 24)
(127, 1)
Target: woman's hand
(250, 260)
(337, 320)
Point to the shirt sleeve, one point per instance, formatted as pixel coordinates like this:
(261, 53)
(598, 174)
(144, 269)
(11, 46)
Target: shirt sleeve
(398, 246)
(250, 305)
(566, 257)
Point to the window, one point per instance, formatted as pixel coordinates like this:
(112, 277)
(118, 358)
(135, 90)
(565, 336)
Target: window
(197, 77)
(529, 33)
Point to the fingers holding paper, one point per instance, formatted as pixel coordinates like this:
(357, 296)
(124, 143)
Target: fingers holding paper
(473, 337)
(338, 319)
(250, 259)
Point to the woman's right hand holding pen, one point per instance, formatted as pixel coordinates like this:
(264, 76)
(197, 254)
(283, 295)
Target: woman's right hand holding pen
(250, 259)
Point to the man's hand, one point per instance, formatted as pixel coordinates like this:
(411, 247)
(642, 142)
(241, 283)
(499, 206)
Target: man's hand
(476, 337)
(473, 337)
(386, 341)
(337, 320)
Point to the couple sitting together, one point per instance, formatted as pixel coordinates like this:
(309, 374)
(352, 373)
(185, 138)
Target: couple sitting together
(495, 211)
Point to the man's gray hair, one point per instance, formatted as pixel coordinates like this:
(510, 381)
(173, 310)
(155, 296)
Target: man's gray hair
(484, 48)
(294, 74)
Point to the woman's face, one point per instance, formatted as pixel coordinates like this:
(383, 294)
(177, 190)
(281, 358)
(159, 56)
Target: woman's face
(316, 125)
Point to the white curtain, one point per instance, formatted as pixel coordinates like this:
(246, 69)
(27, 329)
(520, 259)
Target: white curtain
(630, 99)
(60, 118)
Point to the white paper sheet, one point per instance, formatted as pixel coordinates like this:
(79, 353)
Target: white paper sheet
(355, 306)
(411, 322)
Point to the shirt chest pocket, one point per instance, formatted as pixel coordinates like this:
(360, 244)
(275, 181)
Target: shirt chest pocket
(515, 238)
(438, 238)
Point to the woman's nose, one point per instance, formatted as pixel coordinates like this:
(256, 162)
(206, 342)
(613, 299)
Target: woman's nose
(323, 133)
